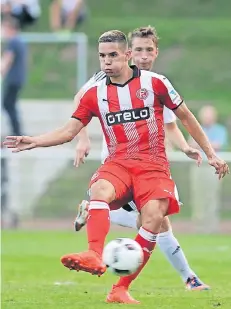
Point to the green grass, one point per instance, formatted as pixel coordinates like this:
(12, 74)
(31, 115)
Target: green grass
(31, 267)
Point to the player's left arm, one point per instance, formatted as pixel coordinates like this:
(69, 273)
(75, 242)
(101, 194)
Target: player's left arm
(178, 140)
(175, 136)
(171, 99)
(173, 133)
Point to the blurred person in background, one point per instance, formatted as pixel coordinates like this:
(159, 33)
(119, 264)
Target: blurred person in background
(26, 12)
(65, 15)
(13, 70)
(216, 132)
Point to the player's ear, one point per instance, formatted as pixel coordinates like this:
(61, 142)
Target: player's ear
(128, 54)
(157, 52)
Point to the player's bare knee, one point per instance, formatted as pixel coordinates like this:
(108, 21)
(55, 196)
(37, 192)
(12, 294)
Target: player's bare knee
(166, 225)
(154, 219)
(153, 214)
(102, 190)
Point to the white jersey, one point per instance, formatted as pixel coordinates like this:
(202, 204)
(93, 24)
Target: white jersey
(168, 114)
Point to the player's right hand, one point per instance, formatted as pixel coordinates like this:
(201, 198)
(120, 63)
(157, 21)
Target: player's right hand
(194, 154)
(220, 166)
(82, 151)
(19, 143)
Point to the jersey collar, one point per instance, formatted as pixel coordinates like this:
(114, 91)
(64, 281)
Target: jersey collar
(136, 73)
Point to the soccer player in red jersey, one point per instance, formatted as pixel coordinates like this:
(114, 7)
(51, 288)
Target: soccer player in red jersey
(143, 42)
(129, 104)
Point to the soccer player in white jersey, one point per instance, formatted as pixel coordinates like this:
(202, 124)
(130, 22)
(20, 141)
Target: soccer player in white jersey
(144, 47)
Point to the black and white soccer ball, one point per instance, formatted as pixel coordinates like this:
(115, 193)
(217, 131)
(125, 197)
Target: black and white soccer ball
(123, 256)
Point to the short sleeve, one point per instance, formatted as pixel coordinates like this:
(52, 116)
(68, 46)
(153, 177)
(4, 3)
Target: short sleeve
(87, 107)
(89, 84)
(94, 79)
(169, 116)
(167, 93)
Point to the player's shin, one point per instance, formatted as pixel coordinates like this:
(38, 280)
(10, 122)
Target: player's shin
(147, 241)
(152, 215)
(98, 224)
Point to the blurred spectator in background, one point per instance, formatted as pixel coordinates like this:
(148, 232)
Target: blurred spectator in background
(13, 70)
(65, 15)
(216, 133)
(25, 11)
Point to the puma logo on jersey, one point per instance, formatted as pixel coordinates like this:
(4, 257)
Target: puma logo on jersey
(130, 115)
(167, 191)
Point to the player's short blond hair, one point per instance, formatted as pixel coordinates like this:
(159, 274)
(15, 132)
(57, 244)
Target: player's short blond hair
(144, 32)
(113, 36)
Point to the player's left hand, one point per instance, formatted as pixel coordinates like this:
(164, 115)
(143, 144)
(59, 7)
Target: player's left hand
(194, 154)
(19, 143)
(82, 150)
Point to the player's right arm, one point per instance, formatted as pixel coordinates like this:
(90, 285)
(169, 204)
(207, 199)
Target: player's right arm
(57, 137)
(176, 137)
(80, 118)
(84, 145)
(170, 98)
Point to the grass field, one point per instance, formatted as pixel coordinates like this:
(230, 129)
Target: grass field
(33, 277)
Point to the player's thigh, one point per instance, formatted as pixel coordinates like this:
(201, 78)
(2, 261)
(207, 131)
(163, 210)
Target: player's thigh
(153, 213)
(111, 183)
(154, 209)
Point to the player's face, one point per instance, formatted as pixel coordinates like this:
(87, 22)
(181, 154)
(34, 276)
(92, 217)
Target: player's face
(113, 58)
(144, 53)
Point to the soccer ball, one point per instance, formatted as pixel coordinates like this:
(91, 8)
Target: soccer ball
(123, 256)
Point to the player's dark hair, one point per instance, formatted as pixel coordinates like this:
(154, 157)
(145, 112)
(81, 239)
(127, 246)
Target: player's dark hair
(113, 36)
(144, 32)
(11, 21)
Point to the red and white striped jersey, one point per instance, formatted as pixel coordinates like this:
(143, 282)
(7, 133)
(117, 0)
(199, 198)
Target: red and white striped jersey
(131, 115)
(169, 116)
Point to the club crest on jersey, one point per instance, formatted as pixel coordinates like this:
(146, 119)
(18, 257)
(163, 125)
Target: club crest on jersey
(142, 94)
(129, 115)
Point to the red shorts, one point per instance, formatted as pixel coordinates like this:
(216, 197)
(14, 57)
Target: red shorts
(138, 180)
